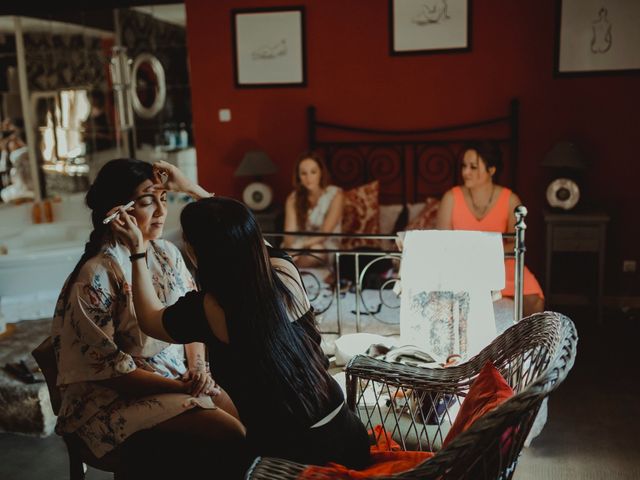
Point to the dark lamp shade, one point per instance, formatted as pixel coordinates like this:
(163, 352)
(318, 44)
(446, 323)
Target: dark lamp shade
(255, 163)
(564, 155)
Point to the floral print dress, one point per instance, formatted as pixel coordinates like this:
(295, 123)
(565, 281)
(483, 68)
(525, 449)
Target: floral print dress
(96, 336)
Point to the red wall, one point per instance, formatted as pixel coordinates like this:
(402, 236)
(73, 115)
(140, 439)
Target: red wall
(352, 78)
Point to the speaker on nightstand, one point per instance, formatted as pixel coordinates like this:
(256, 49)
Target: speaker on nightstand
(257, 195)
(568, 163)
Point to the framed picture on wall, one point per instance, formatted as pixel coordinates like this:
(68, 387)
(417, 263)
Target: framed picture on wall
(269, 47)
(597, 37)
(429, 26)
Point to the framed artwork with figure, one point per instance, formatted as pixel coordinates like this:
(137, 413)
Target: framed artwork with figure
(597, 37)
(429, 26)
(269, 47)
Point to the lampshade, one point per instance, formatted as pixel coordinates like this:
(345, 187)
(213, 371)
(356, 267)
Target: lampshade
(255, 163)
(564, 155)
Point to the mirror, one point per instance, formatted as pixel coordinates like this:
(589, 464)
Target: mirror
(148, 89)
(73, 123)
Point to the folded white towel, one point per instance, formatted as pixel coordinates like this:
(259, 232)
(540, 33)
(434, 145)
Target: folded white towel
(448, 260)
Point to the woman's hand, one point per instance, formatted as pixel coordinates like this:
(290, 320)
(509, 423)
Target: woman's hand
(201, 383)
(169, 177)
(125, 228)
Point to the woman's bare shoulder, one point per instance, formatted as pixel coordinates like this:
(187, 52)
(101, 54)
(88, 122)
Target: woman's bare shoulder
(514, 199)
(448, 196)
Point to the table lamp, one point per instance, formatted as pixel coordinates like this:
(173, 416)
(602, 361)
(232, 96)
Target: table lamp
(257, 195)
(567, 161)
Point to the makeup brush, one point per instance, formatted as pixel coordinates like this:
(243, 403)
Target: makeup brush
(113, 216)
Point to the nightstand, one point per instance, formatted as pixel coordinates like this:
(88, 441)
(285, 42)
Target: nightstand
(270, 220)
(583, 233)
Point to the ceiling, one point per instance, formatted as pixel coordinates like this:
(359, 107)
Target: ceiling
(90, 22)
(7, 26)
(174, 13)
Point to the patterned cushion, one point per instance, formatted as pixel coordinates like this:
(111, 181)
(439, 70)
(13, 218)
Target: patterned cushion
(426, 219)
(361, 215)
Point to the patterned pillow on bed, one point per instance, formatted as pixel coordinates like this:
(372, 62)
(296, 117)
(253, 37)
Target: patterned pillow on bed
(426, 219)
(361, 215)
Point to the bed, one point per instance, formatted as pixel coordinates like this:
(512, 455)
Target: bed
(352, 290)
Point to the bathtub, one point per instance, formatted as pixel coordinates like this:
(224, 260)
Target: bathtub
(40, 257)
(37, 261)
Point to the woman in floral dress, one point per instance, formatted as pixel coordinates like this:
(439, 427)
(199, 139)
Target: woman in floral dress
(114, 380)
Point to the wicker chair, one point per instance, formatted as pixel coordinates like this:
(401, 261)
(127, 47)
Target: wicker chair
(534, 356)
(79, 453)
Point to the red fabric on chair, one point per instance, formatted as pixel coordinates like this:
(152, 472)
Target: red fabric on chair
(487, 391)
(386, 458)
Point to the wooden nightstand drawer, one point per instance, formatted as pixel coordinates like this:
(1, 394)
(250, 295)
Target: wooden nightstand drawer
(576, 239)
(270, 220)
(575, 232)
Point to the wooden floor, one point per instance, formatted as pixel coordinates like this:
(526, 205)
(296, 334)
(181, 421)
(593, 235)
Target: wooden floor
(591, 432)
(594, 417)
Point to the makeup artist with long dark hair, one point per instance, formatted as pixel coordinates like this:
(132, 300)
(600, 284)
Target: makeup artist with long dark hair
(253, 314)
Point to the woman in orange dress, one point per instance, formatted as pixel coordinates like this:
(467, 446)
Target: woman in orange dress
(482, 205)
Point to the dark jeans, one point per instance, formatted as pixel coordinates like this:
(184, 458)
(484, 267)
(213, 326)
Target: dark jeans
(160, 455)
(343, 440)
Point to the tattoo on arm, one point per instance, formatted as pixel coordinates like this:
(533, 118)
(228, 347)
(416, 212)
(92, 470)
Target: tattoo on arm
(199, 363)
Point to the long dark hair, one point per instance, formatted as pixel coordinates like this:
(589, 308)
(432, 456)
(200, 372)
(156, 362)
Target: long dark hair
(302, 194)
(233, 266)
(115, 184)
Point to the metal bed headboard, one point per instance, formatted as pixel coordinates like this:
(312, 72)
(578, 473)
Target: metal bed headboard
(410, 164)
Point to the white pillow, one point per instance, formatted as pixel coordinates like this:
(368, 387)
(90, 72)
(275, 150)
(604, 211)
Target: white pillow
(388, 217)
(414, 210)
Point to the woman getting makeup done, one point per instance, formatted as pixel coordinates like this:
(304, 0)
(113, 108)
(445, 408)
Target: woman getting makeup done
(255, 318)
(120, 387)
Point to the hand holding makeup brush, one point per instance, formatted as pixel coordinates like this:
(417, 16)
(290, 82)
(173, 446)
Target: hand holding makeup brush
(125, 228)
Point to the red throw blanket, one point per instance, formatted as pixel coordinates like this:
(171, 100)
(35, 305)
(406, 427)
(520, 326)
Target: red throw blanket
(386, 458)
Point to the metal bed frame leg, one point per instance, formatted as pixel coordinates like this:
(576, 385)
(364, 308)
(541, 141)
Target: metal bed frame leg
(519, 250)
(337, 293)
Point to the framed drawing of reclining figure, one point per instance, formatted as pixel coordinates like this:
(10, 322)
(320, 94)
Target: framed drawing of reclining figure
(429, 26)
(269, 47)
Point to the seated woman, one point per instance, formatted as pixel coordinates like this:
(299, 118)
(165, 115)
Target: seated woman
(314, 206)
(480, 204)
(114, 380)
(258, 326)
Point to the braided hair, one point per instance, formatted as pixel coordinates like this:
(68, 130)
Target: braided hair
(115, 184)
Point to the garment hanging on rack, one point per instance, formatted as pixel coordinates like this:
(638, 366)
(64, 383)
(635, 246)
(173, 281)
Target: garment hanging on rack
(447, 279)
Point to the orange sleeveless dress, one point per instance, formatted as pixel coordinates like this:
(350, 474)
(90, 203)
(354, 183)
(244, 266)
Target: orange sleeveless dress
(496, 220)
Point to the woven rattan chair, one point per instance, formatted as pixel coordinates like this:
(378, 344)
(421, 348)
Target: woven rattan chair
(534, 356)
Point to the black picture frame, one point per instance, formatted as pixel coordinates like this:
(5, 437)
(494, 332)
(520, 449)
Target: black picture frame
(269, 47)
(450, 21)
(583, 24)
